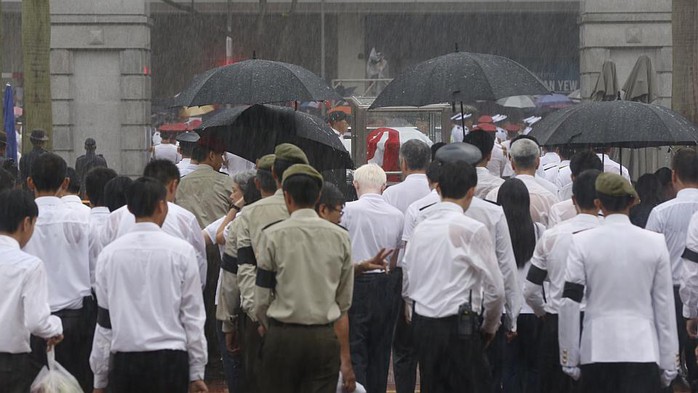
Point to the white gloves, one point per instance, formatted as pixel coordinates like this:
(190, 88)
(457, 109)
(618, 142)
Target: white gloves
(667, 376)
(573, 372)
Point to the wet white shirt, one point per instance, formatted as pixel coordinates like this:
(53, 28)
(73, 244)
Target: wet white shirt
(549, 262)
(561, 211)
(671, 219)
(547, 184)
(74, 202)
(401, 195)
(689, 282)
(448, 257)
(166, 151)
(564, 175)
(180, 223)
(61, 240)
(611, 166)
(486, 182)
(548, 164)
(149, 283)
(541, 199)
(372, 224)
(498, 161)
(98, 218)
(24, 306)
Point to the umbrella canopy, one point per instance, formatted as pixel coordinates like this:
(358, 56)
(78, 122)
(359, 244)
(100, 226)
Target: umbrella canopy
(251, 132)
(9, 123)
(554, 101)
(517, 102)
(642, 83)
(606, 88)
(190, 125)
(460, 77)
(615, 124)
(255, 82)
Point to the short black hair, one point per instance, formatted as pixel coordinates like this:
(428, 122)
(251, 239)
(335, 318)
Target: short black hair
(143, 196)
(649, 189)
(584, 160)
(435, 147)
(251, 193)
(304, 190)
(330, 195)
(95, 181)
(280, 166)
(566, 152)
(484, 141)
(115, 192)
(15, 206)
(75, 181)
(199, 153)
(664, 176)
(163, 171)
(433, 171)
(456, 178)
(48, 171)
(266, 181)
(525, 136)
(416, 154)
(614, 203)
(584, 188)
(7, 180)
(685, 165)
(187, 148)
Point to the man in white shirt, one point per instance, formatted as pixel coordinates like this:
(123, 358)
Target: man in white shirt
(524, 160)
(486, 181)
(414, 159)
(611, 166)
(24, 308)
(549, 162)
(95, 180)
(671, 219)
(373, 225)
(167, 150)
(548, 266)
(561, 175)
(71, 194)
(187, 142)
(150, 333)
(449, 257)
(339, 122)
(61, 241)
(565, 209)
(628, 340)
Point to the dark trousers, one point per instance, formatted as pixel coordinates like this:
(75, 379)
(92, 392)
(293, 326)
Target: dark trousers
(299, 359)
(156, 371)
(213, 259)
(550, 375)
(73, 353)
(16, 373)
(620, 378)
(449, 363)
(231, 363)
(687, 345)
(520, 374)
(250, 346)
(495, 357)
(371, 325)
(404, 356)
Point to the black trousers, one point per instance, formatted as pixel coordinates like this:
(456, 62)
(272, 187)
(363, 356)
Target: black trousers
(620, 378)
(156, 371)
(404, 356)
(520, 374)
(550, 375)
(250, 346)
(448, 363)
(687, 345)
(16, 373)
(371, 325)
(73, 353)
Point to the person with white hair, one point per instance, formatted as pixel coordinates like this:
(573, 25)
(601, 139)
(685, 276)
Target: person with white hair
(525, 158)
(375, 229)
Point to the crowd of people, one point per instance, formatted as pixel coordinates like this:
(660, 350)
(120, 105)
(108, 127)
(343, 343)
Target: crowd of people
(468, 277)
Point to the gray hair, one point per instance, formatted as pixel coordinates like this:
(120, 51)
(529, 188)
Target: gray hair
(524, 153)
(416, 154)
(241, 178)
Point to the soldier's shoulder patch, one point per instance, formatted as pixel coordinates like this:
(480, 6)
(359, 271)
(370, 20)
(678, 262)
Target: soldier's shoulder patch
(427, 206)
(272, 224)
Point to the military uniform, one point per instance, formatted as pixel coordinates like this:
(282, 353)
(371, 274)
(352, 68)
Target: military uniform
(206, 193)
(305, 262)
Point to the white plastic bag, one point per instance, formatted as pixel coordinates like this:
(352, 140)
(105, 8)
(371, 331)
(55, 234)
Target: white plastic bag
(340, 389)
(54, 378)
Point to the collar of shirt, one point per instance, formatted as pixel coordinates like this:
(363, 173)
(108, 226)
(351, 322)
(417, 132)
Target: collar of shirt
(71, 199)
(372, 196)
(482, 171)
(48, 201)
(204, 167)
(449, 206)
(416, 177)
(687, 193)
(9, 242)
(304, 213)
(586, 218)
(339, 134)
(617, 219)
(145, 227)
(99, 210)
(279, 192)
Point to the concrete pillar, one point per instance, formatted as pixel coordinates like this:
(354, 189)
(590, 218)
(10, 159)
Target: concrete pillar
(350, 46)
(100, 66)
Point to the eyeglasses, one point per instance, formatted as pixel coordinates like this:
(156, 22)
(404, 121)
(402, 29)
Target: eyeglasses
(338, 208)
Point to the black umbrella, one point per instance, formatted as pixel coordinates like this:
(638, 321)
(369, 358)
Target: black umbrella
(460, 77)
(251, 132)
(615, 124)
(255, 82)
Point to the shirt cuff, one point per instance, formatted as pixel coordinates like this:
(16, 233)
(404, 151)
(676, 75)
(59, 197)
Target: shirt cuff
(689, 312)
(101, 380)
(196, 372)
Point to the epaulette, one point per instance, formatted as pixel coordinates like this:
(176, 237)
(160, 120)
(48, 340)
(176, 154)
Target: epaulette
(581, 230)
(273, 223)
(427, 206)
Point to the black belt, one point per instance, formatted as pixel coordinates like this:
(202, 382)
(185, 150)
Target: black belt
(450, 318)
(8, 357)
(277, 323)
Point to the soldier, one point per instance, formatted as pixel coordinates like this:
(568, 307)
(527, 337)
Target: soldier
(187, 142)
(38, 138)
(87, 161)
(302, 351)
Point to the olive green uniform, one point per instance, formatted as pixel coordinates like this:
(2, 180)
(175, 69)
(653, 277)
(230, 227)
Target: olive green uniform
(206, 193)
(304, 284)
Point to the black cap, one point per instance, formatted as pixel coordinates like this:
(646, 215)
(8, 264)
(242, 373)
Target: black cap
(336, 116)
(89, 142)
(38, 135)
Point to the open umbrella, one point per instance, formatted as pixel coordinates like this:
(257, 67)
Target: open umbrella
(615, 124)
(606, 88)
(460, 77)
(9, 123)
(255, 82)
(642, 82)
(554, 101)
(251, 132)
(517, 102)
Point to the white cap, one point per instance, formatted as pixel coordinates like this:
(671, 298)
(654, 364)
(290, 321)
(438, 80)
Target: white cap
(527, 130)
(461, 116)
(532, 120)
(497, 118)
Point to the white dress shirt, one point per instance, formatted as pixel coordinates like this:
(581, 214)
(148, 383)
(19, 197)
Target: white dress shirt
(671, 218)
(541, 199)
(166, 151)
(24, 306)
(74, 202)
(625, 274)
(486, 182)
(449, 257)
(565, 192)
(547, 184)
(561, 211)
(548, 164)
(689, 283)
(61, 240)
(401, 195)
(149, 283)
(98, 218)
(611, 166)
(180, 223)
(549, 262)
(564, 174)
(372, 224)
(457, 133)
(498, 161)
